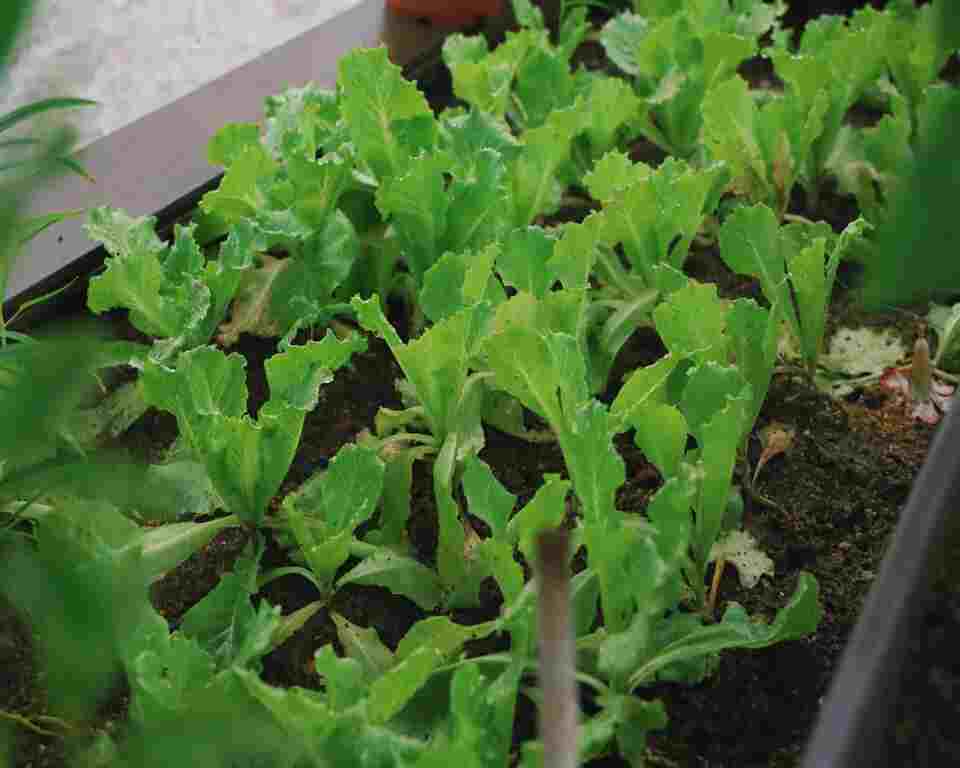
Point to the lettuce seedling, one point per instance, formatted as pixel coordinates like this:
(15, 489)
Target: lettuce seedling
(871, 163)
(766, 146)
(246, 459)
(653, 215)
(836, 61)
(173, 292)
(914, 50)
(446, 399)
(796, 266)
(676, 54)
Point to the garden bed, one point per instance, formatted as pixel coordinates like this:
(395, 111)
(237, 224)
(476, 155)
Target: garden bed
(825, 505)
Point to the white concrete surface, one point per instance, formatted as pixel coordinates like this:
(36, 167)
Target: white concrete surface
(135, 56)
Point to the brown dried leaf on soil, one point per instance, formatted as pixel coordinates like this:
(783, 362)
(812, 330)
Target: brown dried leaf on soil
(776, 439)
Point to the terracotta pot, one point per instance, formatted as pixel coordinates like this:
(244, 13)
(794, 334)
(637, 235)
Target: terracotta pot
(447, 11)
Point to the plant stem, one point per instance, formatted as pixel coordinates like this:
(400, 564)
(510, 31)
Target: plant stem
(715, 586)
(559, 711)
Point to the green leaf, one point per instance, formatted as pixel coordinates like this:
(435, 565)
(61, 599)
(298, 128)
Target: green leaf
(318, 185)
(401, 575)
(751, 244)
(523, 363)
(476, 215)
(482, 713)
(691, 322)
(246, 459)
(795, 620)
(349, 489)
(301, 121)
(487, 498)
(497, 556)
(239, 194)
(613, 105)
(918, 229)
(417, 204)
(613, 173)
(227, 144)
(460, 280)
(661, 433)
(442, 634)
(225, 623)
(535, 187)
(162, 303)
(621, 38)
(645, 387)
(708, 389)
(323, 263)
(484, 79)
(719, 440)
(575, 252)
(523, 260)
(389, 693)
(343, 677)
(872, 163)
(595, 465)
(543, 84)
(363, 645)
(374, 99)
(657, 216)
(753, 333)
(437, 365)
(545, 511)
(168, 677)
(79, 587)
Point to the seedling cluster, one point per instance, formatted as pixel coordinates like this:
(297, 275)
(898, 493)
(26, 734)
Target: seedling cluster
(505, 250)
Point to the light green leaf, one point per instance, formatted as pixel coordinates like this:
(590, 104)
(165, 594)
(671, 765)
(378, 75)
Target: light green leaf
(417, 204)
(543, 84)
(535, 188)
(230, 141)
(661, 433)
(753, 334)
(240, 194)
(162, 303)
(621, 38)
(613, 173)
(483, 79)
(522, 262)
(613, 104)
(719, 439)
(460, 280)
(691, 322)
(375, 97)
